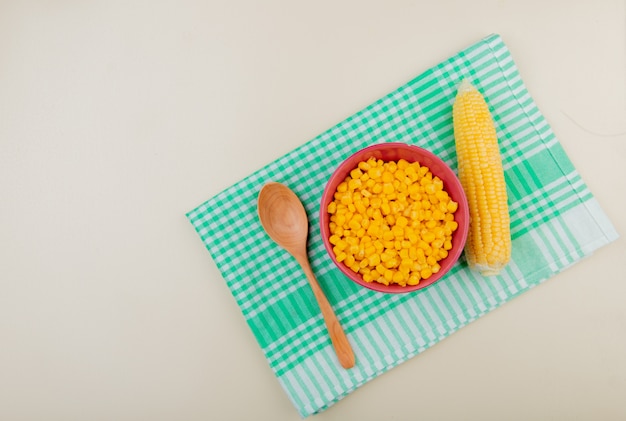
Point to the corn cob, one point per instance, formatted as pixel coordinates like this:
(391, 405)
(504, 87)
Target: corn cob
(488, 247)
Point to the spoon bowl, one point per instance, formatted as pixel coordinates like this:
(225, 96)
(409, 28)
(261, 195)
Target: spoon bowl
(284, 219)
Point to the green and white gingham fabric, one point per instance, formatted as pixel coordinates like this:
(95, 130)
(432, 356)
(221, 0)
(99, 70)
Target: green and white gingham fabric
(555, 222)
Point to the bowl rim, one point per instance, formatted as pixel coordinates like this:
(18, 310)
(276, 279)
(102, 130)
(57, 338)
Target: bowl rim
(459, 236)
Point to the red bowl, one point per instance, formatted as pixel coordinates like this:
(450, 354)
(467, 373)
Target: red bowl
(410, 153)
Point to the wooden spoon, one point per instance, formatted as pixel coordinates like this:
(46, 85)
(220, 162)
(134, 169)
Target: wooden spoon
(285, 221)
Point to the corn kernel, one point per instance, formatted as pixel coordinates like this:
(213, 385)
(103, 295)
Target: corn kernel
(375, 173)
(414, 279)
(356, 173)
(374, 259)
(388, 236)
(430, 224)
(391, 263)
(398, 277)
(405, 266)
(428, 236)
(453, 225)
(354, 184)
(352, 241)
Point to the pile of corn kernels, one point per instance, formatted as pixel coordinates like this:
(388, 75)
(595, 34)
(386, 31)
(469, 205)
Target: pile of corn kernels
(392, 222)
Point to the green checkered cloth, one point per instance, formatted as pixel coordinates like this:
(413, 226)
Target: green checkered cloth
(555, 222)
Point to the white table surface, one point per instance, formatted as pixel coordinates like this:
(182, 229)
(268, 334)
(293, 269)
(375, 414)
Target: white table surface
(118, 117)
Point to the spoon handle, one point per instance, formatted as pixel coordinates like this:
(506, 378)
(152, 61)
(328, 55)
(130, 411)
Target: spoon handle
(337, 335)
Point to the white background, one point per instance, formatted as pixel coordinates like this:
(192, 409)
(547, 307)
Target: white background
(117, 117)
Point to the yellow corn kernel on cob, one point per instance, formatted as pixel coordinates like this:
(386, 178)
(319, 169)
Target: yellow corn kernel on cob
(488, 247)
